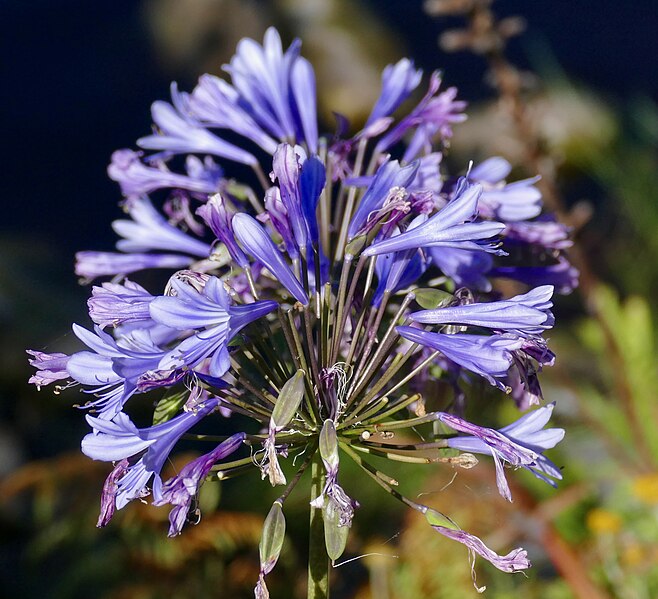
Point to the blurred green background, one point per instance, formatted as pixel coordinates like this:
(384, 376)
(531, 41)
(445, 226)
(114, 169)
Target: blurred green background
(79, 78)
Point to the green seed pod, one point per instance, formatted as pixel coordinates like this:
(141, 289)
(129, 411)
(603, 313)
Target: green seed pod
(438, 519)
(329, 445)
(335, 536)
(430, 299)
(274, 532)
(288, 401)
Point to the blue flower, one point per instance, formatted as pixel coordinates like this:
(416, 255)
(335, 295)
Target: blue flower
(218, 217)
(390, 177)
(91, 265)
(180, 490)
(451, 226)
(277, 88)
(526, 315)
(119, 438)
(257, 242)
(113, 304)
(398, 81)
(519, 444)
(149, 230)
(516, 201)
(490, 356)
(180, 133)
(435, 113)
(50, 367)
(209, 312)
(136, 179)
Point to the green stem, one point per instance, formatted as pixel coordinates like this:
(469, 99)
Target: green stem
(318, 560)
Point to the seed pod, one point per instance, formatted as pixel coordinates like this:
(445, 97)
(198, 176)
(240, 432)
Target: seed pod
(274, 532)
(288, 401)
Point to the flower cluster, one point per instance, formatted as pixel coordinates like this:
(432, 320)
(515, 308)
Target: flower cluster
(316, 302)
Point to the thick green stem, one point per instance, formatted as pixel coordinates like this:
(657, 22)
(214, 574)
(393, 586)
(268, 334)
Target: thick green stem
(318, 560)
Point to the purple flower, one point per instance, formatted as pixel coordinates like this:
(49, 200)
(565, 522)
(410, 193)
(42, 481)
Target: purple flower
(519, 444)
(489, 356)
(286, 169)
(451, 226)
(466, 268)
(545, 233)
(180, 490)
(399, 269)
(278, 217)
(217, 216)
(398, 81)
(526, 315)
(136, 179)
(211, 314)
(257, 242)
(109, 493)
(91, 265)
(277, 88)
(113, 368)
(119, 438)
(390, 179)
(180, 133)
(217, 104)
(515, 561)
(113, 304)
(149, 230)
(50, 367)
(435, 113)
(516, 201)
(562, 275)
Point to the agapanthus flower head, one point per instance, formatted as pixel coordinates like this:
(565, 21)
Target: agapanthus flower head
(319, 304)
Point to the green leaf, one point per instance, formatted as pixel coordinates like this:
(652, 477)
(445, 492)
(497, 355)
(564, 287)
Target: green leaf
(169, 406)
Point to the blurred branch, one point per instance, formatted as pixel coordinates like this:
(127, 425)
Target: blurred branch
(487, 36)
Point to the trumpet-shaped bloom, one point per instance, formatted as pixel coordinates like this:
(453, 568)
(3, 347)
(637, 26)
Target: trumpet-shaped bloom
(180, 133)
(277, 88)
(50, 367)
(113, 304)
(91, 265)
(257, 242)
(435, 113)
(398, 81)
(516, 201)
(136, 179)
(527, 314)
(217, 216)
(519, 444)
(180, 490)
(209, 312)
(217, 104)
(149, 230)
(117, 439)
(451, 226)
(489, 356)
(389, 176)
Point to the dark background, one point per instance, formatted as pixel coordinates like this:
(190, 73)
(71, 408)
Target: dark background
(79, 78)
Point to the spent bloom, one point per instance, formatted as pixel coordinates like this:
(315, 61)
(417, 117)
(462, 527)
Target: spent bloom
(319, 303)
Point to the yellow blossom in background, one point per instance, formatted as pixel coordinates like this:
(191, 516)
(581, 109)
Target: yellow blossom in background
(602, 521)
(645, 488)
